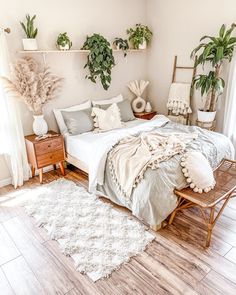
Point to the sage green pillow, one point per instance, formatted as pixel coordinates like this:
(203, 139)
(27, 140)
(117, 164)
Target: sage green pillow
(78, 122)
(126, 112)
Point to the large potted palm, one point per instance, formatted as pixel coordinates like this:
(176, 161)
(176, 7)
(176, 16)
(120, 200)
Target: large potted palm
(214, 52)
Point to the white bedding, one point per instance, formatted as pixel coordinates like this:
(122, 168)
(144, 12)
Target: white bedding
(81, 146)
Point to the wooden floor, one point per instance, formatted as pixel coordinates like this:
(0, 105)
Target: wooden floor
(175, 263)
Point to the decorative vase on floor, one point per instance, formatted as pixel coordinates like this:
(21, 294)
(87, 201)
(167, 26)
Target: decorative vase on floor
(40, 126)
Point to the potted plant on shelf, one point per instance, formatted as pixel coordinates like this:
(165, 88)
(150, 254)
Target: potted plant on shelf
(30, 43)
(35, 87)
(63, 42)
(100, 60)
(215, 51)
(121, 44)
(140, 36)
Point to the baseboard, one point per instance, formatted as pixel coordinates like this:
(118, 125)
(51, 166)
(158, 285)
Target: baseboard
(7, 181)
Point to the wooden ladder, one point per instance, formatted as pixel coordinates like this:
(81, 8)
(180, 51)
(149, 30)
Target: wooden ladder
(175, 68)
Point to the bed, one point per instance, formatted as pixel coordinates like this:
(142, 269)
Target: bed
(153, 199)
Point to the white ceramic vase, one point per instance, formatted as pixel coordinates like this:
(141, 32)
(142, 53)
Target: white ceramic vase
(138, 105)
(206, 116)
(40, 126)
(30, 44)
(143, 45)
(148, 107)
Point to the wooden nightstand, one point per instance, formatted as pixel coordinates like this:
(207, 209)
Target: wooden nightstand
(42, 153)
(145, 115)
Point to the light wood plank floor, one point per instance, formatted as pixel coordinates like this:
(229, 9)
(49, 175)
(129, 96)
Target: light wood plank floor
(175, 263)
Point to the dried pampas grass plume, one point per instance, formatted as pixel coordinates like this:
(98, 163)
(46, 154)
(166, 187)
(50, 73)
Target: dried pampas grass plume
(32, 85)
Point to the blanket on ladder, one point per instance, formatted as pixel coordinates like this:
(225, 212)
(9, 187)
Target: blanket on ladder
(131, 156)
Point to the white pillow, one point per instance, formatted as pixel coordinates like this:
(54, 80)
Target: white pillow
(59, 118)
(107, 119)
(198, 172)
(115, 99)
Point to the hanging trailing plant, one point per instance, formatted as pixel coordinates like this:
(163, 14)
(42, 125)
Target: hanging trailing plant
(100, 60)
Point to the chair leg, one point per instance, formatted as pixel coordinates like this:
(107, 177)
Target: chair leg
(172, 217)
(210, 226)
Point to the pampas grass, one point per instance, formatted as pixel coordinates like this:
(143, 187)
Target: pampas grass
(32, 85)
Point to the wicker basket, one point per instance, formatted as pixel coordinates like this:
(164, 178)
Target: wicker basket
(207, 125)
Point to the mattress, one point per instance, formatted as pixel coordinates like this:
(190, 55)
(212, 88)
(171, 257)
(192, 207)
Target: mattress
(79, 146)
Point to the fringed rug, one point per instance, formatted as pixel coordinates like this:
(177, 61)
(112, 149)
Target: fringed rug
(98, 237)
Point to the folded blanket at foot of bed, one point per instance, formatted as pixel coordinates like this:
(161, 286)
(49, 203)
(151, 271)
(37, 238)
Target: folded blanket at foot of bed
(133, 155)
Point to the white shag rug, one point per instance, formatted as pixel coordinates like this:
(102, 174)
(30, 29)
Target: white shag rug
(98, 237)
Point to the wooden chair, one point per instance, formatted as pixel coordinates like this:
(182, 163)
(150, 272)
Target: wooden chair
(225, 176)
(175, 68)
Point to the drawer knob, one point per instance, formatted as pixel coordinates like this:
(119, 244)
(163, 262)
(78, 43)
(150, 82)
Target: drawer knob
(49, 145)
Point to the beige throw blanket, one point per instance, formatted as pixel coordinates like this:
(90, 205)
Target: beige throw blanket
(131, 157)
(179, 99)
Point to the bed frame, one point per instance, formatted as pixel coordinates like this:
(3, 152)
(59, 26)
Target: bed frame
(77, 163)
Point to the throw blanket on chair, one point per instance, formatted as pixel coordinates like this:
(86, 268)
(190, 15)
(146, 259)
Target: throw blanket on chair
(131, 157)
(179, 99)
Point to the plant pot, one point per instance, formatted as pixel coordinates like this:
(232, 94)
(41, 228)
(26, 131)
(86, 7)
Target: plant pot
(206, 116)
(65, 47)
(116, 47)
(30, 44)
(143, 45)
(40, 126)
(138, 105)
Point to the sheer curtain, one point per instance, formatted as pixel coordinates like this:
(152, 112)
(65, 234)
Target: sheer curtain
(230, 108)
(12, 144)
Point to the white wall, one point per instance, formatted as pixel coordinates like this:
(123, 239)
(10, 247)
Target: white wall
(79, 18)
(178, 26)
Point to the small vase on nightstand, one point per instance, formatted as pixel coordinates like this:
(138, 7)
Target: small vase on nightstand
(148, 107)
(40, 126)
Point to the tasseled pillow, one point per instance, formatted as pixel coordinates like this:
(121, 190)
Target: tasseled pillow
(198, 172)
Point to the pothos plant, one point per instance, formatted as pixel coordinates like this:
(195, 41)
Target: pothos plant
(215, 51)
(139, 34)
(100, 60)
(121, 44)
(64, 41)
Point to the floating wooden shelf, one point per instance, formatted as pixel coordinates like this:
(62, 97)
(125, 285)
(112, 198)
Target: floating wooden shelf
(71, 51)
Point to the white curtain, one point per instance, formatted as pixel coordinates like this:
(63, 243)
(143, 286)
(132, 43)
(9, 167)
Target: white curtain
(230, 107)
(12, 144)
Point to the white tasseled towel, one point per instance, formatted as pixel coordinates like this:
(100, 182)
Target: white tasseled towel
(179, 98)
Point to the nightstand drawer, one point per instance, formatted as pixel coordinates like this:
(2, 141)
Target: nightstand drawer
(50, 158)
(48, 146)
